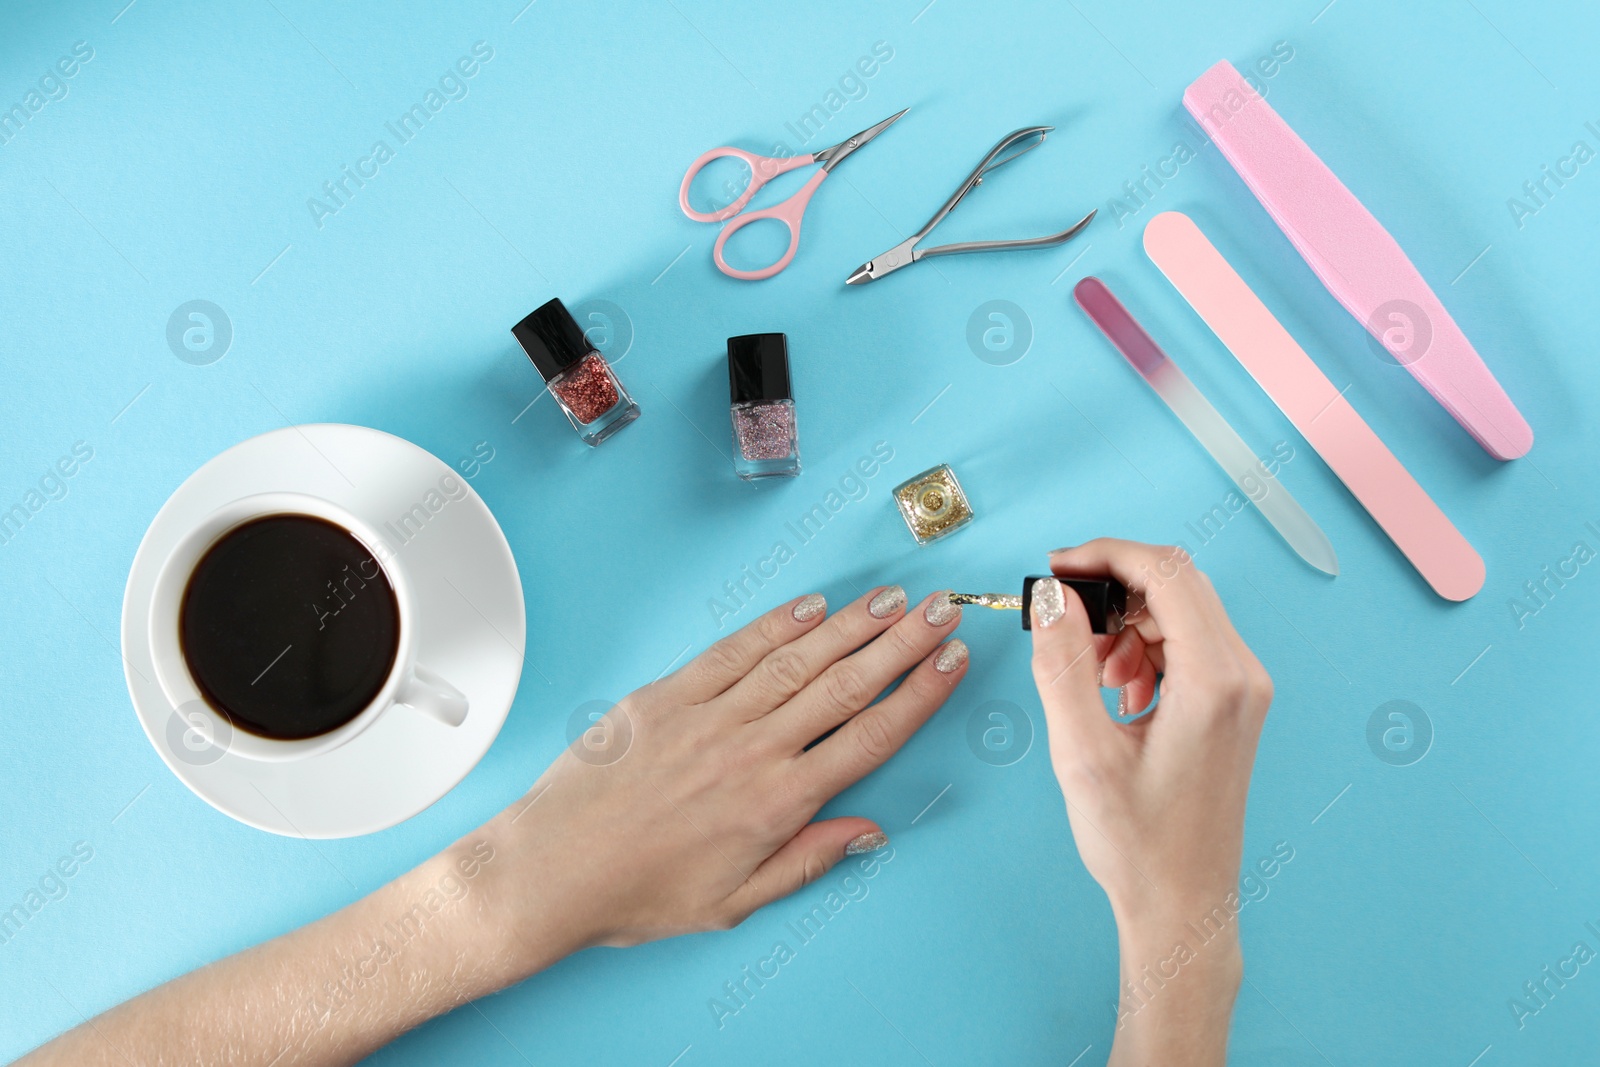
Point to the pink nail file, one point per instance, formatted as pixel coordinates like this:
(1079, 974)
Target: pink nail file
(1318, 410)
(1356, 258)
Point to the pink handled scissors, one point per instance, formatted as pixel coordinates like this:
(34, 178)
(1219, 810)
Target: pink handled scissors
(762, 170)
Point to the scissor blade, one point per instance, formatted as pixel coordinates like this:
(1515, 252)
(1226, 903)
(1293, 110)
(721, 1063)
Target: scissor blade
(832, 157)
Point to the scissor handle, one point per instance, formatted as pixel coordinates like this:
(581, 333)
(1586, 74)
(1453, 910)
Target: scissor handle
(762, 170)
(789, 212)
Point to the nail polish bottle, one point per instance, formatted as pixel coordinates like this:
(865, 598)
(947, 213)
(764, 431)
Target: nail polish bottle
(579, 377)
(933, 504)
(1104, 599)
(766, 441)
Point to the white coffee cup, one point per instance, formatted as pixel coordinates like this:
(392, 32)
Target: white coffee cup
(200, 734)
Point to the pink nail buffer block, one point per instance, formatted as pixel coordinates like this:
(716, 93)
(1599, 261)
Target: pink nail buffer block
(1318, 410)
(1356, 258)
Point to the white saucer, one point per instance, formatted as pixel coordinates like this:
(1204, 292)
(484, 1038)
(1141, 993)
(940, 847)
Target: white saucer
(470, 619)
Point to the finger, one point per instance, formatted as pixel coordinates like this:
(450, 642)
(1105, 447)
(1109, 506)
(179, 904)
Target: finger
(1186, 630)
(1129, 669)
(789, 668)
(1172, 603)
(1137, 692)
(730, 659)
(1179, 601)
(807, 856)
(1122, 662)
(1224, 623)
(862, 744)
(849, 685)
(1065, 672)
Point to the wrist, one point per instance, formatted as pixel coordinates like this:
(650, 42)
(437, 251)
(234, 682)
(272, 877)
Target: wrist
(1153, 956)
(1205, 911)
(444, 915)
(1206, 933)
(1193, 945)
(1178, 962)
(530, 912)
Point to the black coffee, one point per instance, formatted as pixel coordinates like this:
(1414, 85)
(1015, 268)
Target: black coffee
(289, 626)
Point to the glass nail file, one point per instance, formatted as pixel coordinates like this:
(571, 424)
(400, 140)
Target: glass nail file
(1208, 426)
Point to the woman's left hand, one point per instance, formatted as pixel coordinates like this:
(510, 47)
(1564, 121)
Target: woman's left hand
(689, 805)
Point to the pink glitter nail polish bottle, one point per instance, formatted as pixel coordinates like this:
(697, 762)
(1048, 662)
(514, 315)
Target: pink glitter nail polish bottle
(766, 439)
(579, 377)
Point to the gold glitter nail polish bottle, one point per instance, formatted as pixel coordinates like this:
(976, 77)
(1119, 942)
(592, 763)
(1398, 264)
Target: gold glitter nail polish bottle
(933, 504)
(766, 435)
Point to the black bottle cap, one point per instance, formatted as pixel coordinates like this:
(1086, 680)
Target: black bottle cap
(758, 368)
(1106, 600)
(552, 338)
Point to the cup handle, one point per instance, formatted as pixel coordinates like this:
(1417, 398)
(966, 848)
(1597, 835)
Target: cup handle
(433, 696)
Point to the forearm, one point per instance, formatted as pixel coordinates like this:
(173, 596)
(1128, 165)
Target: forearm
(328, 993)
(1179, 978)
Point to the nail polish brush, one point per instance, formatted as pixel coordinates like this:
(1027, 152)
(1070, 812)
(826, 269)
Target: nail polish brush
(1106, 600)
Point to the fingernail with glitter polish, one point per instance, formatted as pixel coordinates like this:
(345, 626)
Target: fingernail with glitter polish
(578, 376)
(940, 611)
(1122, 702)
(1058, 551)
(868, 842)
(1049, 603)
(888, 601)
(951, 656)
(809, 607)
(766, 435)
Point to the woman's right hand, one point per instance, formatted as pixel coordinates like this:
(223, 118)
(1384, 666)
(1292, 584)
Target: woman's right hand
(1156, 804)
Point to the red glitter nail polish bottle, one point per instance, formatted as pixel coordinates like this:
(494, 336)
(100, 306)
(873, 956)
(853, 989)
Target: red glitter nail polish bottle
(766, 439)
(579, 377)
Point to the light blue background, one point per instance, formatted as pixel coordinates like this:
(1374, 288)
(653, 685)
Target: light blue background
(178, 167)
